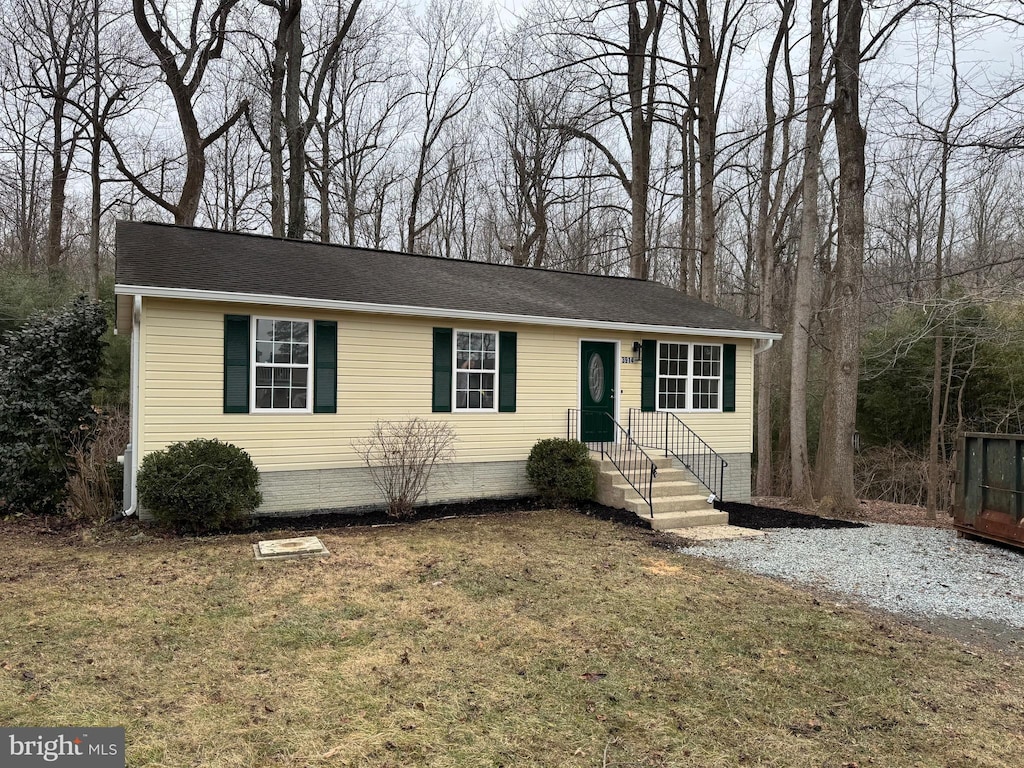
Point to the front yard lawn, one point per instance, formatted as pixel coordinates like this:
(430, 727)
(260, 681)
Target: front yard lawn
(528, 639)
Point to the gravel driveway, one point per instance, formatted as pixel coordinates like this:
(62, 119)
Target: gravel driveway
(921, 572)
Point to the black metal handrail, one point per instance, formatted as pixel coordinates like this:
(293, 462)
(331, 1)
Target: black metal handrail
(631, 461)
(663, 430)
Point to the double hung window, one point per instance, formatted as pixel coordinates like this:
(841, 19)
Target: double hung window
(476, 370)
(281, 365)
(473, 371)
(689, 377)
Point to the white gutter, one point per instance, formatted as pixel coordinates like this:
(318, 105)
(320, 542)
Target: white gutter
(131, 472)
(407, 310)
(769, 343)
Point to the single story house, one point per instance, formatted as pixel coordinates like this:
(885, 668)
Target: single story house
(292, 350)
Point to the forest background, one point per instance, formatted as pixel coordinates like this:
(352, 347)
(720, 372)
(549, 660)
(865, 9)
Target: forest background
(849, 175)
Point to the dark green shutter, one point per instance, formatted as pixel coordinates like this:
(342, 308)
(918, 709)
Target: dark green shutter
(442, 396)
(648, 375)
(507, 372)
(236, 363)
(729, 378)
(325, 367)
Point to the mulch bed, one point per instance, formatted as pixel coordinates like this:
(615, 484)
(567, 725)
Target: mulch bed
(764, 513)
(751, 516)
(478, 508)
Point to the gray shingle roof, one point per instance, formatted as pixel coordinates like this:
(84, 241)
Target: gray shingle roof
(151, 255)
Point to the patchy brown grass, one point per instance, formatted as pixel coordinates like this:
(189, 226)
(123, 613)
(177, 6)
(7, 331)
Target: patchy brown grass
(544, 639)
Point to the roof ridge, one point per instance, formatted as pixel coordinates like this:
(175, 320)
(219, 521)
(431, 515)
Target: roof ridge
(321, 244)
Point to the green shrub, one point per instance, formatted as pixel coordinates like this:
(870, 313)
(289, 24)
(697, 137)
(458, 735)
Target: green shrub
(561, 471)
(47, 369)
(199, 486)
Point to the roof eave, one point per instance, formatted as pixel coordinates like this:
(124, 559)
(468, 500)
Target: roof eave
(196, 294)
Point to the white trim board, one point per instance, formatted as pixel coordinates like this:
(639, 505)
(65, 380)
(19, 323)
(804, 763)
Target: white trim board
(432, 312)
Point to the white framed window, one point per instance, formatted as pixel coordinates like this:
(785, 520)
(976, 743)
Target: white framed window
(689, 377)
(476, 370)
(282, 365)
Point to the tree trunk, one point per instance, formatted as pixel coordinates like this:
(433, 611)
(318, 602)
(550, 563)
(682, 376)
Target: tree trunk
(641, 124)
(95, 180)
(195, 170)
(935, 456)
(325, 192)
(764, 253)
(295, 130)
(688, 258)
(935, 430)
(707, 134)
(58, 195)
(843, 363)
(95, 211)
(327, 163)
(414, 200)
(800, 330)
(286, 20)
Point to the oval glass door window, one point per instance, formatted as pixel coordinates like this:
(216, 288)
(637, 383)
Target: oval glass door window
(595, 383)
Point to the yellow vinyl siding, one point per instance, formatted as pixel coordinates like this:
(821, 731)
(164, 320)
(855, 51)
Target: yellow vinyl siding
(385, 366)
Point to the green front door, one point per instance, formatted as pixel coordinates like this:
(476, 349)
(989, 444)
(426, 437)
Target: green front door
(597, 391)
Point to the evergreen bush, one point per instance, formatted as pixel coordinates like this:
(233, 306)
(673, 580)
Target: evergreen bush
(47, 369)
(199, 486)
(561, 471)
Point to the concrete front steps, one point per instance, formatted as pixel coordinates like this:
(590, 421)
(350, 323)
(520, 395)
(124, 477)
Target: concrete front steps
(678, 501)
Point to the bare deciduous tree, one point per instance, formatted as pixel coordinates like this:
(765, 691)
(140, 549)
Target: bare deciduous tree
(451, 39)
(770, 200)
(626, 74)
(365, 112)
(401, 457)
(800, 328)
(290, 96)
(839, 412)
(183, 53)
(528, 112)
(715, 40)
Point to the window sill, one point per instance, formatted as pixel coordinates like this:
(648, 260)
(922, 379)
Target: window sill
(691, 411)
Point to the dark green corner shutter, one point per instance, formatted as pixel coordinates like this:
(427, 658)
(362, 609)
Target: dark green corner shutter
(729, 378)
(442, 397)
(507, 372)
(325, 367)
(236, 363)
(648, 375)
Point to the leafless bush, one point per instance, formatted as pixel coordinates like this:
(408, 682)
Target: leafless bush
(401, 455)
(92, 493)
(894, 473)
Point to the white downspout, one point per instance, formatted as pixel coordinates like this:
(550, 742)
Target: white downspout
(132, 471)
(768, 345)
